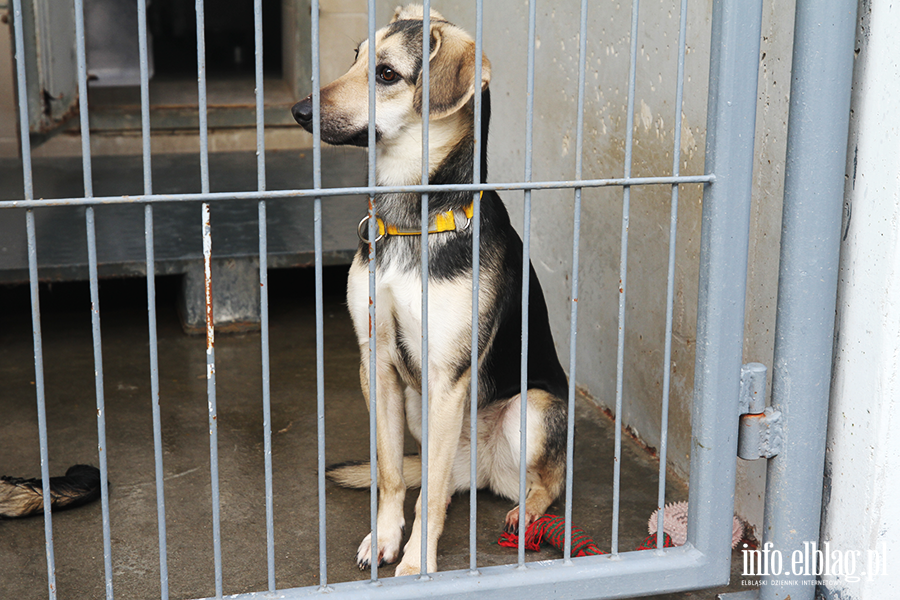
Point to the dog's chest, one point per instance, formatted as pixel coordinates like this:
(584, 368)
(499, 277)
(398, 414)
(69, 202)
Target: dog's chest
(398, 316)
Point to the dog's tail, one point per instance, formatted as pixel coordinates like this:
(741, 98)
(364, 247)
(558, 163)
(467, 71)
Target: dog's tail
(24, 497)
(357, 474)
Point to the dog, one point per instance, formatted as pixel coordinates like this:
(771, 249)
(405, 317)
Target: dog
(398, 130)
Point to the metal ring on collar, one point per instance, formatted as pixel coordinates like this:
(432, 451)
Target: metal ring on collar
(359, 231)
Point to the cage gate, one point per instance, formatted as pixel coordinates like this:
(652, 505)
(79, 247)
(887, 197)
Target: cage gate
(704, 561)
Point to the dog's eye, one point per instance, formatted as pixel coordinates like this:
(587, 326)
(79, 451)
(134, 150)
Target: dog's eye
(386, 74)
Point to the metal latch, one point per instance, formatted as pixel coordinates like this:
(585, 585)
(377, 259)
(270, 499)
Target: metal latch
(760, 431)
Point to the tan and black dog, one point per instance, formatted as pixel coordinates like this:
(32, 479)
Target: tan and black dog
(344, 120)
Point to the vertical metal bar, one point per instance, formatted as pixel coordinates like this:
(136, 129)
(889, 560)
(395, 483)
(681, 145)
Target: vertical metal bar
(426, 112)
(101, 405)
(373, 234)
(731, 122)
(260, 96)
(210, 321)
(151, 301)
(320, 335)
(807, 280)
(670, 284)
(211, 399)
(25, 140)
(94, 285)
(41, 404)
(267, 403)
(264, 291)
(27, 177)
(623, 278)
(576, 237)
(476, 259)
(83, 100)
(201, 98)
(526, 272)
(144, 61)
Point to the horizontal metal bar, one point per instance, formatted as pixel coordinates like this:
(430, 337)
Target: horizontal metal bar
(367, 190)
(622, 576)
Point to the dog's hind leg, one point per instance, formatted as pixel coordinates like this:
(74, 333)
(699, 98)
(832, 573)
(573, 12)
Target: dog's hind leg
(543, 486)
(545, 454)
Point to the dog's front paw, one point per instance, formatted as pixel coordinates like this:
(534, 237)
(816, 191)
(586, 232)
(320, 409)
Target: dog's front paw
(407, 568)
(388, 549)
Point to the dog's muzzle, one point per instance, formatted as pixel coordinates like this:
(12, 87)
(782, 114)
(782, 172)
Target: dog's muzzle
(303, 114)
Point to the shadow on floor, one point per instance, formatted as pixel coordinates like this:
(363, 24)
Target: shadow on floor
(72, 427)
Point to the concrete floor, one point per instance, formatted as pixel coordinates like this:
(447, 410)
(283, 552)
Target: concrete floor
(68, 364)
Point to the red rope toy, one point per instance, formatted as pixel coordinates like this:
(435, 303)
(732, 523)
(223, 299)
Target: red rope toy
(550, 529)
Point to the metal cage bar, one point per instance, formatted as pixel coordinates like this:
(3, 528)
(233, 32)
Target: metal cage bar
(573, 317)
(731, 121)
(150, 262)
(476, 266)
(623, 278)
(37, 336)
(373, 232)
(320, 335)
(369, 190)
(210, 320)
(526, 272)
(90, 227)
(670, 281)
(264, 290)
(426, 114)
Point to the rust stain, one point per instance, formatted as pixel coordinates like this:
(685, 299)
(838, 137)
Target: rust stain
(210, 324)
(629, 431)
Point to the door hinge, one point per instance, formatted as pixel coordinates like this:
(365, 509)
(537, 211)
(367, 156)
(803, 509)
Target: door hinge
(760, 430)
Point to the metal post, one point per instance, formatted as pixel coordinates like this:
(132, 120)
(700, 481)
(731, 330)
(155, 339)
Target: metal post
(807, 280)
(731, 122)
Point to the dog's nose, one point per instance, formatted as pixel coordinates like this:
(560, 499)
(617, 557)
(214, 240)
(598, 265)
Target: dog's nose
(303, 111)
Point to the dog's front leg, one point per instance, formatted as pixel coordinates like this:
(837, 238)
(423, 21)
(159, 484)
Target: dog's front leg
(445, 420)
(389, 445)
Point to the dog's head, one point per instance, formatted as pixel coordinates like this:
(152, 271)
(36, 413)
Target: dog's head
(344, 104)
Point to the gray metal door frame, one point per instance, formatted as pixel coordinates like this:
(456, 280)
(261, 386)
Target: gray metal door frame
(704, 561)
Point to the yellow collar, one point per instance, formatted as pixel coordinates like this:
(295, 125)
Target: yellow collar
(445, 221)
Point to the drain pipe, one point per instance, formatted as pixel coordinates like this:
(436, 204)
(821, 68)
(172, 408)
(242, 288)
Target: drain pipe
(818, 124)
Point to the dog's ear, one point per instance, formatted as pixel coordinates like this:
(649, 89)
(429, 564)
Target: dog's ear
(452, 71)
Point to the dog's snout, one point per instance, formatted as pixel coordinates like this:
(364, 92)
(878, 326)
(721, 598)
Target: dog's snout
(303, 112)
